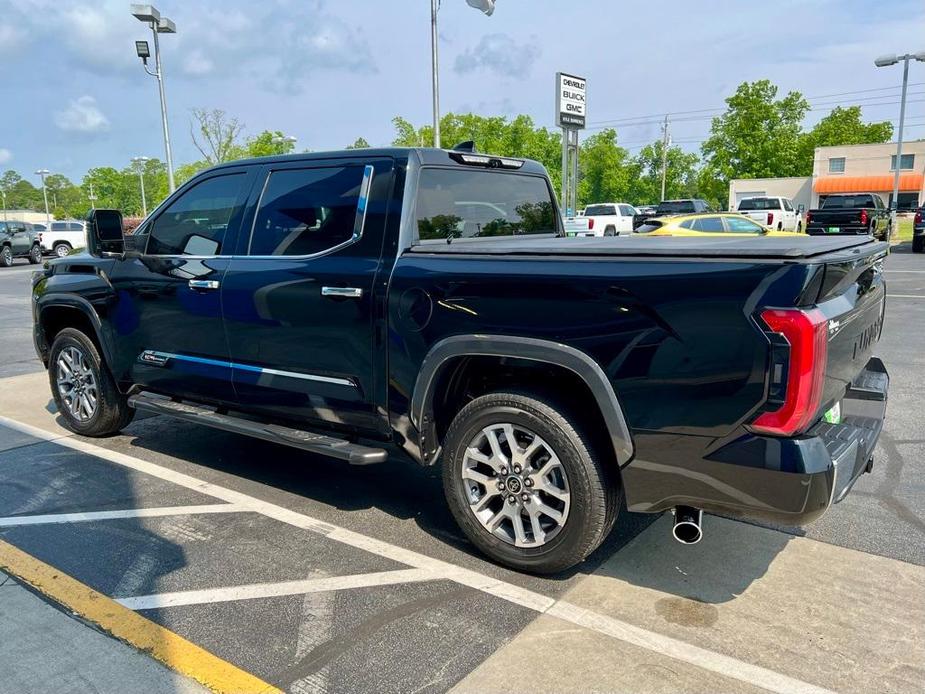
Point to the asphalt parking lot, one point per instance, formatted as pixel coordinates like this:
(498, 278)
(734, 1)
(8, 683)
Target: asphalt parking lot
(306, 575)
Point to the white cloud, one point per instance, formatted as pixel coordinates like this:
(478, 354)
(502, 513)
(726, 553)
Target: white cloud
(197, 64)
(10, 38)
(5, 155)
(83, 116)
(501, 54)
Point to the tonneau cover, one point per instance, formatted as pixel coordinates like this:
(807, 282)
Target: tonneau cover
(769, 247)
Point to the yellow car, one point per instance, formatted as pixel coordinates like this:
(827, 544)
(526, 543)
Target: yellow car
(707, 224)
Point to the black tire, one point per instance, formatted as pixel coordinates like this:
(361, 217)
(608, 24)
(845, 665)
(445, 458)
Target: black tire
(610, 231)
(112, 412)
(6, 256)
(61, 249)
(918, 244)
(799, 227)
(595, 493)
(35, 254)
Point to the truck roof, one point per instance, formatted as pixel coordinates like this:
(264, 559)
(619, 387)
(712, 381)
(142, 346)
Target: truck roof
(424, 156)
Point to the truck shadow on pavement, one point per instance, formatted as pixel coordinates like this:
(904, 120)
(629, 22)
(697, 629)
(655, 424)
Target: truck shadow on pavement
(722, 566)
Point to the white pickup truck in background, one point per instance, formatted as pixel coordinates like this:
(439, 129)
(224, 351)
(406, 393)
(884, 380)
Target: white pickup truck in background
(775, 213)
(61, 237)
(604, 219)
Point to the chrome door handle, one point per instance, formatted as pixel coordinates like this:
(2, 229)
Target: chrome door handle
(204, 284)
(348, 292)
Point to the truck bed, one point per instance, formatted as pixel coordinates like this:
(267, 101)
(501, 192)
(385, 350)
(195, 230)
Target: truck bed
(770, 247)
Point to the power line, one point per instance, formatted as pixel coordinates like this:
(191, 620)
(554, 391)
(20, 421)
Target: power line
(659, 116)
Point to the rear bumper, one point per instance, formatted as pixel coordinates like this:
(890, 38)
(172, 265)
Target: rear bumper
(790, 481)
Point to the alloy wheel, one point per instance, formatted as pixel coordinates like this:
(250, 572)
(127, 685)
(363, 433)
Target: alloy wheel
(516, 486)
(77, 384)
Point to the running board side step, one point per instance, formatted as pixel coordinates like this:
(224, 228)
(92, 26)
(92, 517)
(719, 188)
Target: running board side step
(353, 453)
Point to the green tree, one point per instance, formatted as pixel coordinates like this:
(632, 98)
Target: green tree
(680, 175)
(843, 126)
(359, 143)
(216, 135)
(267, 144)
(758, 136)
(604, 169)
(517, 137)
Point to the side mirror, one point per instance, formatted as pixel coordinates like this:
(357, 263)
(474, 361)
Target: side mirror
(104, 232)
(801, 208)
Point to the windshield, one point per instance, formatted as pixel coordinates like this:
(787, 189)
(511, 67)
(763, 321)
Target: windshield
(759, 204)
(472, 203)
(675, 207)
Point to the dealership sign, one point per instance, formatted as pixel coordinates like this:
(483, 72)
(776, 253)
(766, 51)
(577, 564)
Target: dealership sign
(571, 103)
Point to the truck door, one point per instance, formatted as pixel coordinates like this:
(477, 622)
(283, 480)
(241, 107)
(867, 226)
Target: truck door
(168, 318)
(790, 215)
(298, 295)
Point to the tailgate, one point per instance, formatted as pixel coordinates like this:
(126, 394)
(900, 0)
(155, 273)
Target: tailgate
(852, 297)
(576, 225)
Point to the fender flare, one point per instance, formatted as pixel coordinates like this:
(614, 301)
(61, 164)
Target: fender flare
(532, 349)
(71, 301)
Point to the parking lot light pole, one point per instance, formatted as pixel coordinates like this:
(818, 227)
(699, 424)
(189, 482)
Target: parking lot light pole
(43, 173)
(886, 61)
(486, 6)
(3, 195)
(159, 25)
(141, 178)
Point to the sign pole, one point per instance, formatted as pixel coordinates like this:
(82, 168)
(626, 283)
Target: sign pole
(571, 112)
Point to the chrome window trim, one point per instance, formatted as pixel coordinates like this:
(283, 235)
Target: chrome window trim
(365, 184)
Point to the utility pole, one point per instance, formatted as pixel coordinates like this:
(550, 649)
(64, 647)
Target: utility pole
(666, 142)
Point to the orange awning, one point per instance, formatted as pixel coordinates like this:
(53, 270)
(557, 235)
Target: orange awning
(910, 182)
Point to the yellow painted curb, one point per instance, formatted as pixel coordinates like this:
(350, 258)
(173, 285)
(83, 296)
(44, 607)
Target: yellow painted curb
(127, 625)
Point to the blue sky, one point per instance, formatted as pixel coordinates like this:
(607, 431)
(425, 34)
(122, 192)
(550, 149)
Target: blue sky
(327, 71)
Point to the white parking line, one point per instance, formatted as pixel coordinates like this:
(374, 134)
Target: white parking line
(276, 590)
(915, 271)
(665, 645)
(88, 516)
(905, 296)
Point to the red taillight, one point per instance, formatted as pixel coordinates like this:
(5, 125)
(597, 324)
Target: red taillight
(770, 218)
(590, 222)
(809, 217)
(918, 217)
(807, 333)
(864, 218)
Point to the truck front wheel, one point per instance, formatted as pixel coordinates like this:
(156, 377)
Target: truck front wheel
(526, 484)
(84, 391)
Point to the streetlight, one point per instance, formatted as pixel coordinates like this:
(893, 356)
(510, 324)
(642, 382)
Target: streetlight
(43, 173)
(141, 177)
(486, 6)
(886, 61)
(3, 195)
(159, 25)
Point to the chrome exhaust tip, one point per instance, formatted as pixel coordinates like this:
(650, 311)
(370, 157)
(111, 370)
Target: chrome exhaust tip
(687, 528)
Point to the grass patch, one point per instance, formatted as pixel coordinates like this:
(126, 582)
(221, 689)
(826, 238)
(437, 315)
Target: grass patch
(904, 231)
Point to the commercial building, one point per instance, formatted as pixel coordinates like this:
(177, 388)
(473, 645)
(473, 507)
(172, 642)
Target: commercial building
(847, 169)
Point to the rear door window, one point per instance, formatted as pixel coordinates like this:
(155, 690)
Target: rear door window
(709, 224)
(472, 203)
(600, 210)
(307, 211)
(198, 221)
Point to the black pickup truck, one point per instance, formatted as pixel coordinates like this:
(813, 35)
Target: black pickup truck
(669, 207)
(424, 304)
(859, 213)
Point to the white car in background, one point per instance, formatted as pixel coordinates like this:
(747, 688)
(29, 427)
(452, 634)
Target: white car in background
(604, 219)
(61, 237)
(776, 213)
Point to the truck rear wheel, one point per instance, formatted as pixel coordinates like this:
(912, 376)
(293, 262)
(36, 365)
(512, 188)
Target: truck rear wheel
(84, 391)
(918, 244)
(62, 249)
(525, 483)
(35, 254)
